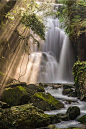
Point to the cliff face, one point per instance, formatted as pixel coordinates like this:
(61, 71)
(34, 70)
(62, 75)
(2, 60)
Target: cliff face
(12, 47)
(5, 6)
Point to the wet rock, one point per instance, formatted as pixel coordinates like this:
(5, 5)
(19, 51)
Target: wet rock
(45, 85)
(33, 88)
(82, 119)
(73, 112)
(66, 91)
(70, 101)
(4, 105)
(22, 116)
(15, 83)
(41, 84)
(63, 117)
(56, 86)
(45, 101)
(51, 127)
(67, 86)
(15, 96)
(72, 94)
(25, 117)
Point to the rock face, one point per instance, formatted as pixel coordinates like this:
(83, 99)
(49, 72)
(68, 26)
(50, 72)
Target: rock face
(45, 101)
(79, 71)
(73, 112)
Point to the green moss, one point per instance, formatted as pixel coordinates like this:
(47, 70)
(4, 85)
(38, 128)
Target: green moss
(79, 68)
(82, 119)
(22, 88)
(12, 95)
(47, 98)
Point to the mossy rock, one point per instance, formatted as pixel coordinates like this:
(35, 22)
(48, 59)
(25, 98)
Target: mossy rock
(63, 117)
(15, 96)
(51, 127)
(73, 112)
(66, 91)
(45, 101)
(33, 88)
(82, 119)
(24, 116)
(68, 86)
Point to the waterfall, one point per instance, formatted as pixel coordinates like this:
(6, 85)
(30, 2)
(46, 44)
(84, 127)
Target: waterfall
(55, 56)
(53, 61)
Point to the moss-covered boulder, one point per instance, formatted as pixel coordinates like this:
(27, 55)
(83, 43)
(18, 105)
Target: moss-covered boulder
(15, 96)
(51, 127)
(45, 101)
(73, 112)
(82, 119)
(33, 88)
(79, 71)
(19, 117)
(67, 91)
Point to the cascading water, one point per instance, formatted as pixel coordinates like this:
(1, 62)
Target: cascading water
(56, 56)
(53, 62)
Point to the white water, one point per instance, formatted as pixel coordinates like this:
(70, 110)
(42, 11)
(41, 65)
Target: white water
(57, 93)
(56, 56)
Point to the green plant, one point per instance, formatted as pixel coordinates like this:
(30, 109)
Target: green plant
(73, 17)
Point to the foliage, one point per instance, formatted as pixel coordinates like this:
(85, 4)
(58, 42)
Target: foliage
(28, 14)
(79, 68)
(73, 17)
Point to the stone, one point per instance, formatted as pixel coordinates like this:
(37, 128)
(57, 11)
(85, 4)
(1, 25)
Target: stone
(45, 101)
(23, 116)
(82, 119)
(15, 96)
(66, 91)
(73, 112)
(41, 84)
(63, 117)
(4, 105)
(51, 127)
(33, 88)
(16, 83)
(67, 86)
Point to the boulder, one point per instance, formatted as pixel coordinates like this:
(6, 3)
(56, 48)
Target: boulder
(63, 117)
(73, 112)
(68, 86)
(4, 105)
(23, 116)
(15, 96)
(33, 88)
(45, 101)
(67, 91)
(51, 127)
(15, 83)
(82, 119)
(79, 72)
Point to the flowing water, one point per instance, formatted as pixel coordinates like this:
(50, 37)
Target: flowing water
(55, 56)
(57, 93)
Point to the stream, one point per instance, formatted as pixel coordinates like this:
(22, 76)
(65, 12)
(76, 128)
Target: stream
(57, 93)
